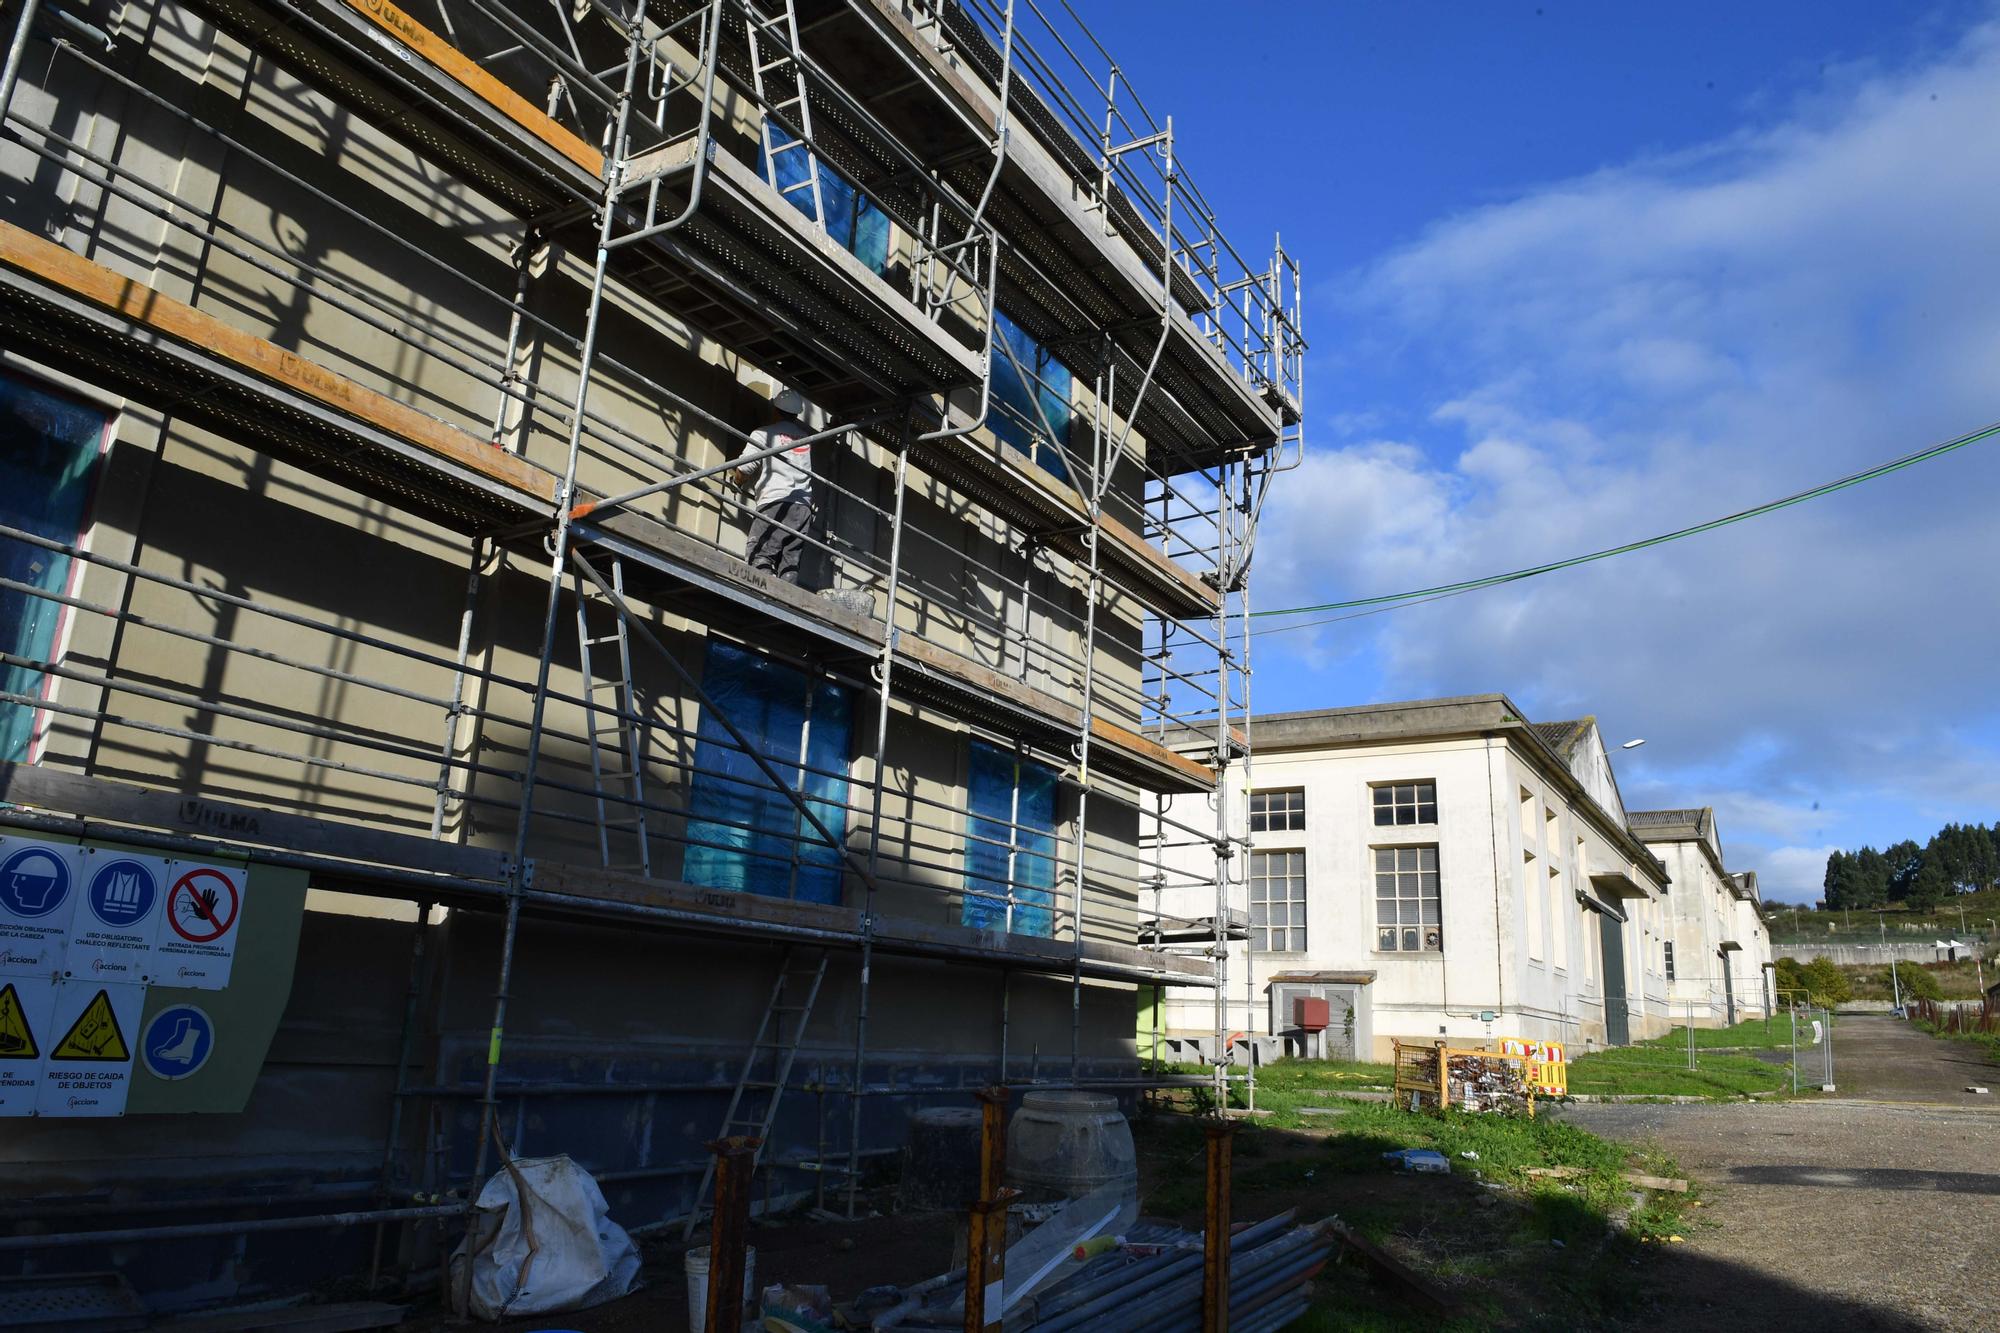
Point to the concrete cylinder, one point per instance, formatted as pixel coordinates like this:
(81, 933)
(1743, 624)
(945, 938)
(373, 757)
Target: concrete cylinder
(940, 1160)
(1063, 1145)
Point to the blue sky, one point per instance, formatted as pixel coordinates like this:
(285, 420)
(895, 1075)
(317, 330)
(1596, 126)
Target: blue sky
(1580, 273)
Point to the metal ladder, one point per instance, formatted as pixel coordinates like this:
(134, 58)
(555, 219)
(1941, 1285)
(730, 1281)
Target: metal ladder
(793, 994)
(796, 107)
(613, 732)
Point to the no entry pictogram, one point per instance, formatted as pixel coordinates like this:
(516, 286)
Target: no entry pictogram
(202, 905)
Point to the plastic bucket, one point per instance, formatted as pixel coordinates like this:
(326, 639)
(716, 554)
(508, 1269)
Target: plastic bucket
(695, 1264)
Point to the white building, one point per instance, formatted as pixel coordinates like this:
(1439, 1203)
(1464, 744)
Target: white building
(1440, 868)
(1720, 947)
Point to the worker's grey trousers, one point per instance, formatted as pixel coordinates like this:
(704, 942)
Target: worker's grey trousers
(778, 537)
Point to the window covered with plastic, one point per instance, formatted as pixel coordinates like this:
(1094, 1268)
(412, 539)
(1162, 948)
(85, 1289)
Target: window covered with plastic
(1010, 845)
(852, 219)
(744, 834)
(1031, 396)
(49, 446)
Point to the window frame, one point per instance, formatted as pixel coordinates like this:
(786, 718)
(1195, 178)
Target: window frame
(1253, 878)
(1291, 810)
(35, 378)
(810, 870)
(1042, 386)
(1417, 805)
(1399, 929)
(1018, 914)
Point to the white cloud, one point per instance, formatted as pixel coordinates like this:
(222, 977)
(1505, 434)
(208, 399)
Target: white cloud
(1619, 355)
(1794, 874)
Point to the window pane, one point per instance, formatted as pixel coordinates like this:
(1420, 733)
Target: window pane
(1410, 940)
(744, 834)
(48, 463)
(1433, 938)
(1427, 814)
(1427, 858)
(1386, 938)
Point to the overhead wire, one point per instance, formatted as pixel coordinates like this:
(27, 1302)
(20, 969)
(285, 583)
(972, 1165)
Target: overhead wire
(1419, 596)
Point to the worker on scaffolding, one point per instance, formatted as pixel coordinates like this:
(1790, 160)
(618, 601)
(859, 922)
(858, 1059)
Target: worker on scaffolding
(781, 489)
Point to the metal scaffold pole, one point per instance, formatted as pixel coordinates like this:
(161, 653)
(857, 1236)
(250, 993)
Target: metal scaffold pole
(884, 670)
(521, 869)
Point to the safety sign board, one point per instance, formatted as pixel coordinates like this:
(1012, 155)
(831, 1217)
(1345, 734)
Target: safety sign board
(177, 1042)
(37, 895)
(203, 915)
(120, 900)
(25, 1006)
(88, 1067)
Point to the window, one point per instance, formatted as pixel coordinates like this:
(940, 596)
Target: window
(1010, 844)
(1406, 900)
(1406, 803)
(1527, 819)
(1278, 811)
(1668, 947)
(1031, 396)
(1531, 902)
(852, 219)
(743, 834)
(1559, 920)
(1277, 901)
(48, 454)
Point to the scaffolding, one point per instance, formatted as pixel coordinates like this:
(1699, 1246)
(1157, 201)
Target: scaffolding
(712, 164)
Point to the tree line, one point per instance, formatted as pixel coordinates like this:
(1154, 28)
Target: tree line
(1959, 858)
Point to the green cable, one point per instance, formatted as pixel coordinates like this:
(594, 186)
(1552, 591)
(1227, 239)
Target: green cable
(1493, 580)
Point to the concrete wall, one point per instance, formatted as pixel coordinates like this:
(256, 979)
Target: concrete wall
(1515, 941)
(1704, 914)
(319, 1116)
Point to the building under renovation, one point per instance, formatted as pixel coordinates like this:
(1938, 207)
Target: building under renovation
(584, 577)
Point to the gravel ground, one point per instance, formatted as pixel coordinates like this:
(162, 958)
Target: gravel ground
(1878, 1208)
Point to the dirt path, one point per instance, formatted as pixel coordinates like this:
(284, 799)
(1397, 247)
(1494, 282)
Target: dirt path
(1875, 1209)
(1886, 1059)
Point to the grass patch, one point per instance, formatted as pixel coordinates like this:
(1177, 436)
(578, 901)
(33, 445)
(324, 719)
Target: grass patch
(1754, 1033)
(1477, 1232)
(1988, 1041)
(1646, 1071)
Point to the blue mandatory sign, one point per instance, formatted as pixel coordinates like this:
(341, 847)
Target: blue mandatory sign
(33, 882)
(177, 1042)
(121, 893)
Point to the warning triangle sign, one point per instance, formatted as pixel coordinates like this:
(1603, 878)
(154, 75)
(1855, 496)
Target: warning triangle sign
(95, 1035)
(16, 1041)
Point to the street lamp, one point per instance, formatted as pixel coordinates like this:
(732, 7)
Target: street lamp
(1633, 744)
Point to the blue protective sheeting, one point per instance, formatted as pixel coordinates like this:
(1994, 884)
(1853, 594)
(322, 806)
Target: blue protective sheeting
(49, 448)
(744, 835)
(1047, 383)
(993, 848)
(852, 219)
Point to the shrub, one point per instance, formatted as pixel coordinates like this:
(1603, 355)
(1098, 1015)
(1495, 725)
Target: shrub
(1825, 982)
(1917, 984)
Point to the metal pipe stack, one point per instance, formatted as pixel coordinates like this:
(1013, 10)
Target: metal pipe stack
(1154, 1283)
